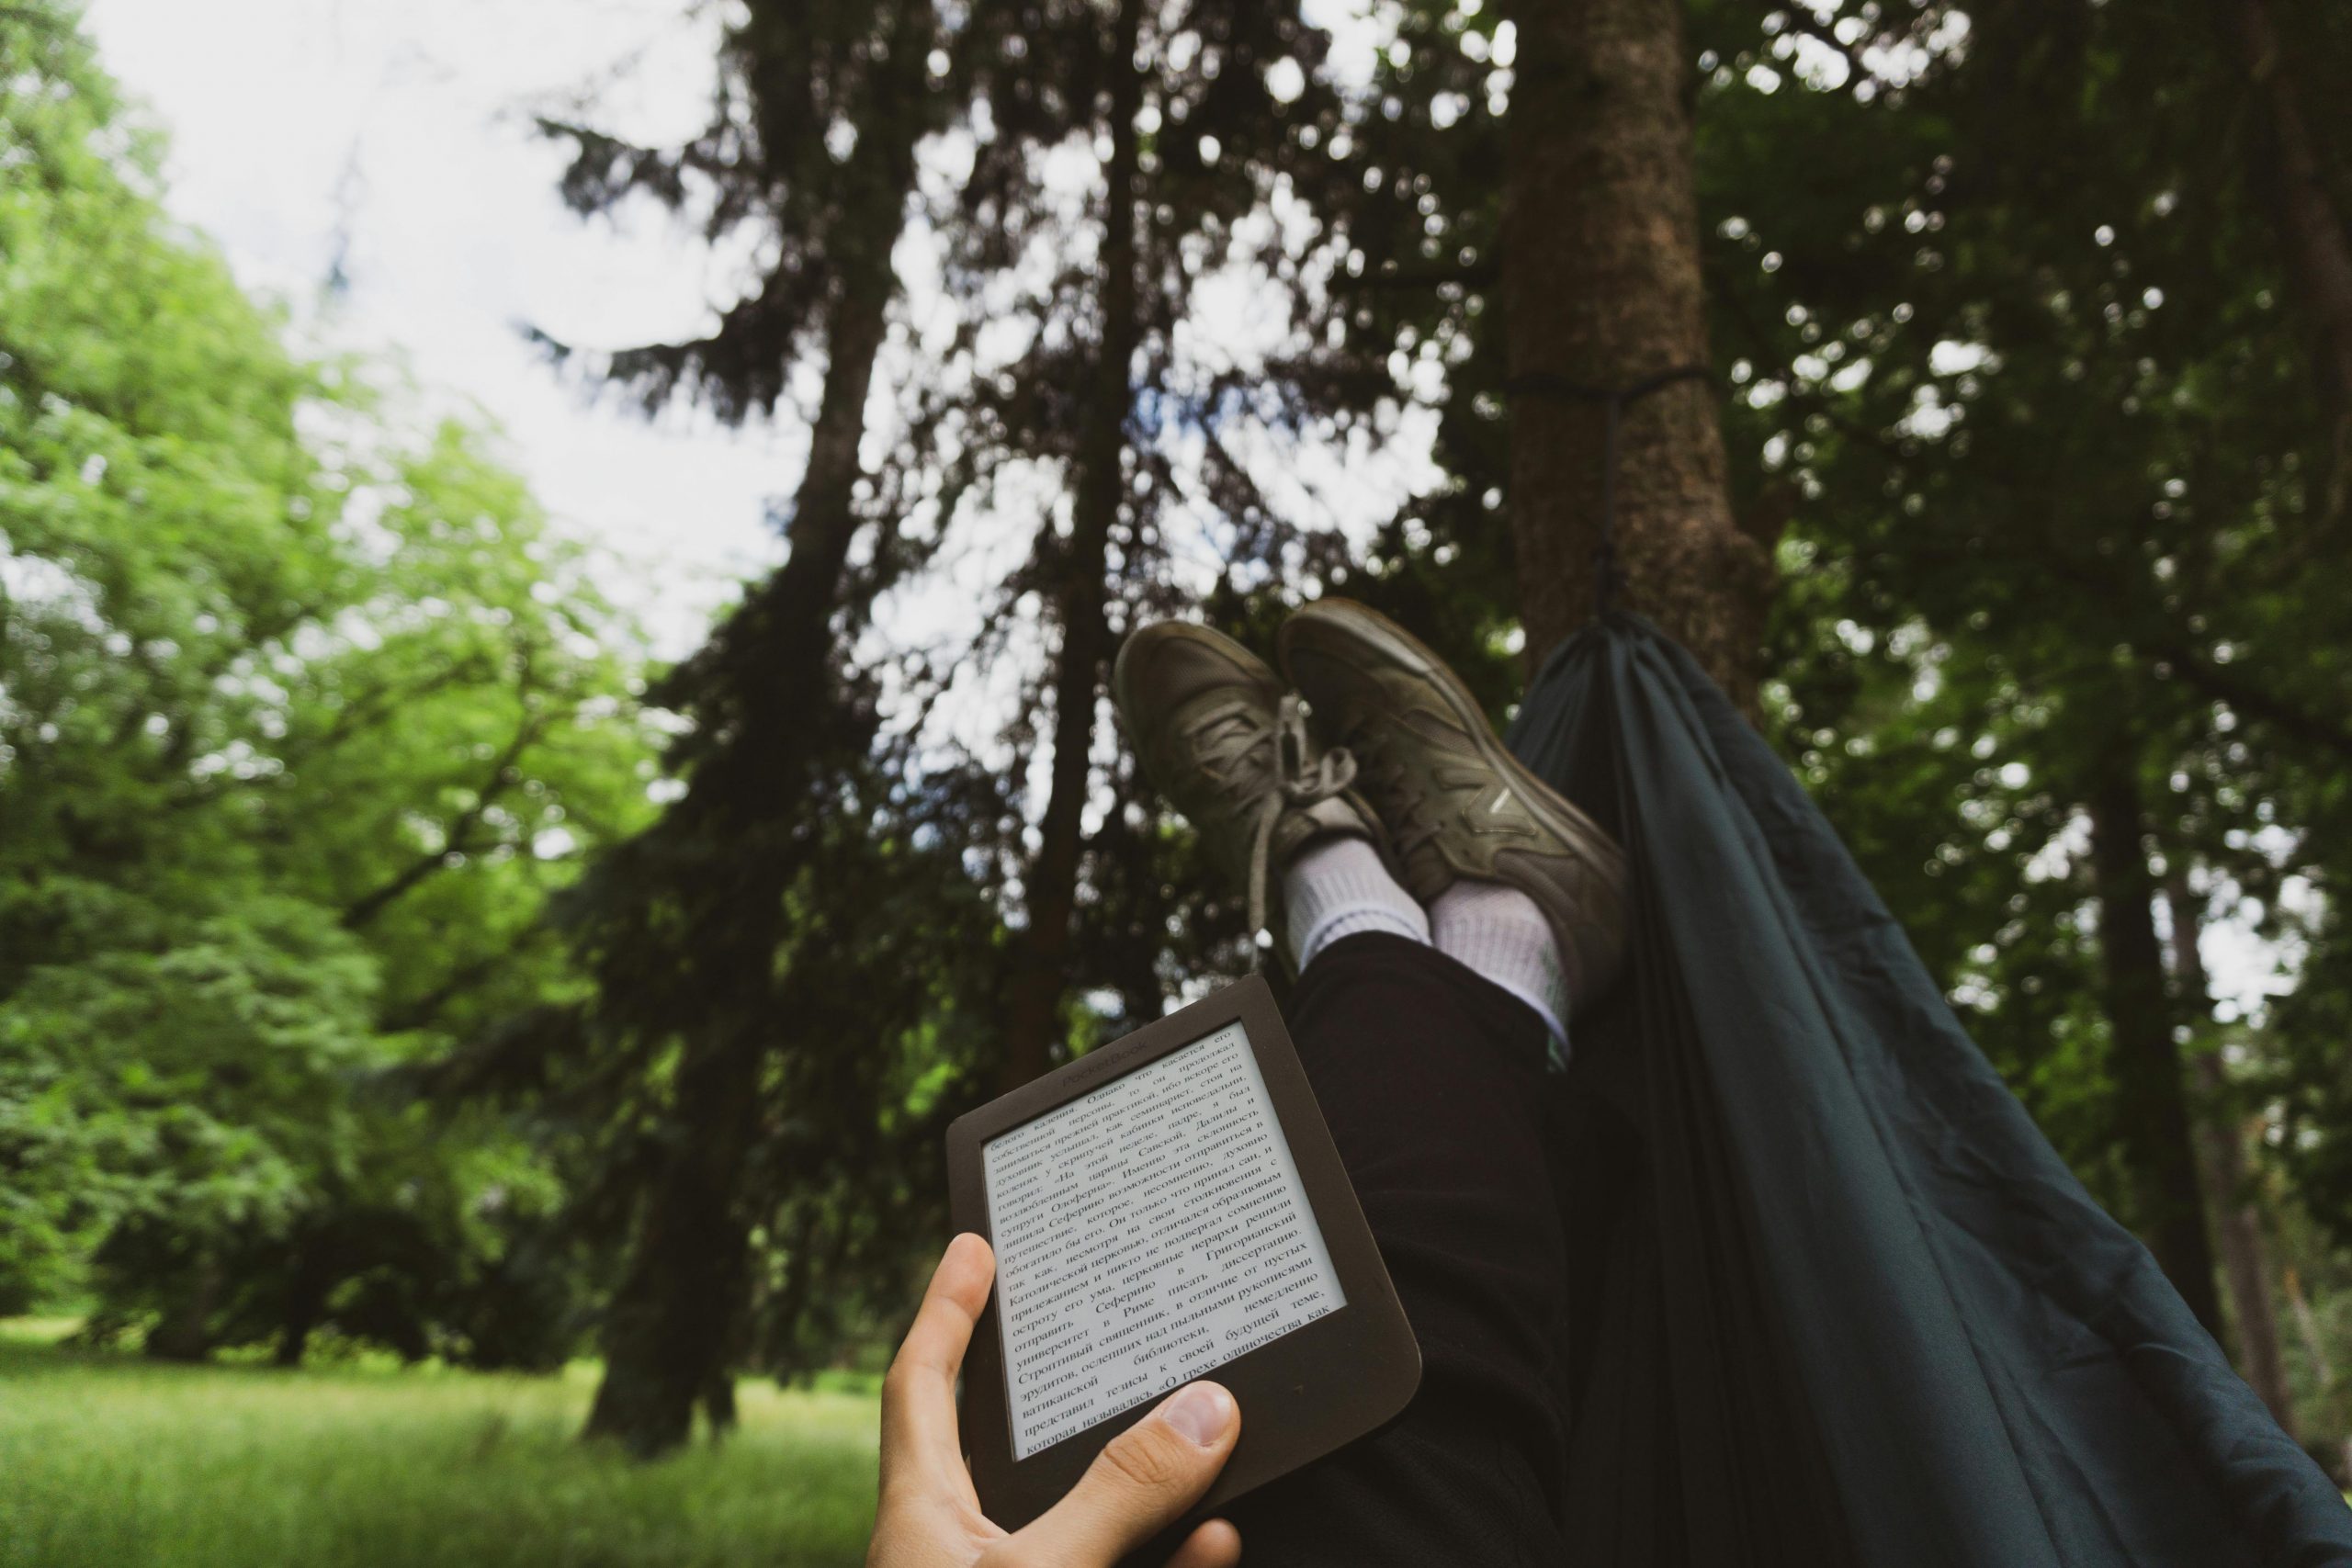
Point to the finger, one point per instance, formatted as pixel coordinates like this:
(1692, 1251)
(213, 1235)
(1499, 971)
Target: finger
(919, 1393)
(1215, 1544)
(1143, 1482)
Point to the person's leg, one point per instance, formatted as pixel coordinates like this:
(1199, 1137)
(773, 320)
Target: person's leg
(1500, 934)
(1398, 823)
(1431, 1078)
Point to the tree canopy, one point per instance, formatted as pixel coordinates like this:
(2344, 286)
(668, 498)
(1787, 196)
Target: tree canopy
(302, 719)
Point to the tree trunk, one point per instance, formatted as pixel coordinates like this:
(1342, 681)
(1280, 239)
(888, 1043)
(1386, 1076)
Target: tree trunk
(2322, 1371)
(675, 1316)
(718, 1407)
(293, 1342)
(2152, 1108)
(2317, 250)
(305, 1305)
(1601, 287)
(184, 1331)
(2238, 1228)
(668, 1331)
(1033, 991)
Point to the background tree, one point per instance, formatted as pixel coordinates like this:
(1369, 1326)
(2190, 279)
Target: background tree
(692, 927)
(1194, 115)
(299, 728)
(2031, 381)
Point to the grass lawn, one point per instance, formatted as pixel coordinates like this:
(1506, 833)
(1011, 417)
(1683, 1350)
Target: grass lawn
(110, 1460)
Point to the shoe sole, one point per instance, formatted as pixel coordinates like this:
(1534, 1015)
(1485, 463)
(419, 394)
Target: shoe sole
(1547, 806)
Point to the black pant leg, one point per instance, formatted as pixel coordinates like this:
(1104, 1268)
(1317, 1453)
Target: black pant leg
(1431, 1078)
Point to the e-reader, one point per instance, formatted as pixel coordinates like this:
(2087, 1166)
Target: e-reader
(1167, 1207)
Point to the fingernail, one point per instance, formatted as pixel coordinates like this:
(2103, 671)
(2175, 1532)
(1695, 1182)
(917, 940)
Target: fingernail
(1201, 1413)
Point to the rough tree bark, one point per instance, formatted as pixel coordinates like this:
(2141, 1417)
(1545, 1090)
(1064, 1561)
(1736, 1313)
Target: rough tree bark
(2245, 1269)
(673, 1323)
(1032, 992)
(2151, 1107)
(1601, 287)
(2316, 246)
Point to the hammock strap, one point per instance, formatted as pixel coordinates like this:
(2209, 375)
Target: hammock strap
(1613, 402)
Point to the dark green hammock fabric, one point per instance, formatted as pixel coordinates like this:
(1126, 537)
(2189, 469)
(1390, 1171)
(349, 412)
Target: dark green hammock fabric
(1837, 1299)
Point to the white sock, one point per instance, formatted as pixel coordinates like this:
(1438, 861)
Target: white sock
(1498, 933)
(1338, 888)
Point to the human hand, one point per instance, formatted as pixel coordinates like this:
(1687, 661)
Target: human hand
(930, 1516)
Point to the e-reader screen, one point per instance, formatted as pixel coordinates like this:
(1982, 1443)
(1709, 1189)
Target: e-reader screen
(1146, 1231)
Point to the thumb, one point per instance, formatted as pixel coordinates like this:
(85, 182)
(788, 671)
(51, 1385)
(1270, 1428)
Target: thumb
(1142, 1483)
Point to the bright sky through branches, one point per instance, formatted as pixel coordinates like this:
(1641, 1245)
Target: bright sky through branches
(393, 141)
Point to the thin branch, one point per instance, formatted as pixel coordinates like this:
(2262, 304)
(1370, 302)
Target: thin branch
(458, 840)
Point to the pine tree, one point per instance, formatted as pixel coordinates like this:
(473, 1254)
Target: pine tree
(1196, 113)
(689, 926)
(2028, 384)
(719, 935)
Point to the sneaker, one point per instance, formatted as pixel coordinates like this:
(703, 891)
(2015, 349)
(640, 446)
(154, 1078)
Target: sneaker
(1227, 745)
(1454, 801)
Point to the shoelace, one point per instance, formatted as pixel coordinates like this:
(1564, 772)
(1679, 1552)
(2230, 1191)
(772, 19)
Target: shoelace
(1407, 817)
(1296, 784)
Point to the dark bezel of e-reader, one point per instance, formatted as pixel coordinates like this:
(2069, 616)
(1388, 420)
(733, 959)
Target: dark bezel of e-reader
(1301, 1395)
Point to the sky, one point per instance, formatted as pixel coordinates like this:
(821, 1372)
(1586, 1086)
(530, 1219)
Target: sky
(398, 135)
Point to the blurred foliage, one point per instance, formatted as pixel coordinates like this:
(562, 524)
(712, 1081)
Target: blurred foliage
(300, 723)
(792, 963)
(2044, 403)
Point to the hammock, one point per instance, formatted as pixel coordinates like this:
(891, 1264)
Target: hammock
(1837, 1299)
